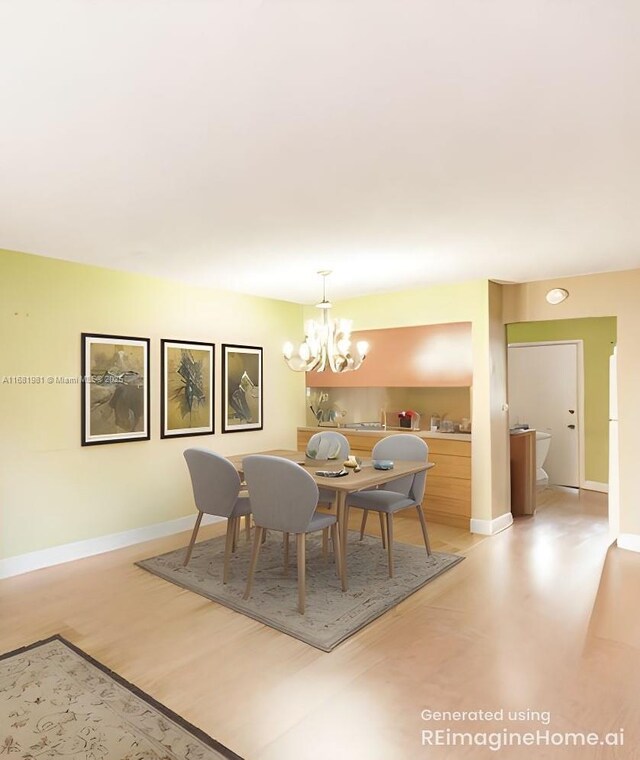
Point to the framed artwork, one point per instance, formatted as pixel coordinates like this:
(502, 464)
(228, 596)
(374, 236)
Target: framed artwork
(115, 391)
(187, 388)
(241, 388)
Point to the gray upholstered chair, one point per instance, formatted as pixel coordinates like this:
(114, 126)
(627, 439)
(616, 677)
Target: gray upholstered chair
(327, 444)
(323, 445)
(401, 493)
(284, 498)
(216, 491)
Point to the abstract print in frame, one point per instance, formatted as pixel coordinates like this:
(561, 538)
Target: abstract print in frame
(115, 391)
(241, 388)
(187, 388)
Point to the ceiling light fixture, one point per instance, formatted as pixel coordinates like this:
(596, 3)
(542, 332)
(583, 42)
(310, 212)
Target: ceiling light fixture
(327, 344)
(557, 295)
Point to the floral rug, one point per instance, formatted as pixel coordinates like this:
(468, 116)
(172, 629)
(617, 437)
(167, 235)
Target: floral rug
(56, 701)
(331, 615)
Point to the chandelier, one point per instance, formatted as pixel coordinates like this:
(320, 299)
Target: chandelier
(327, 344)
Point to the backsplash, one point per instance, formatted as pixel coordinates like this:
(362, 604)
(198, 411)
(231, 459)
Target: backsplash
(365, 404)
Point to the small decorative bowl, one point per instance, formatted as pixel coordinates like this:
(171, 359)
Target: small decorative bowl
(382, 464)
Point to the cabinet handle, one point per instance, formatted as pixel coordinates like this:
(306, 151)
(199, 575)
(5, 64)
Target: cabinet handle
(573, 427)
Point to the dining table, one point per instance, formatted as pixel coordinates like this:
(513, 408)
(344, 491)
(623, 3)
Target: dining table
(364, 477)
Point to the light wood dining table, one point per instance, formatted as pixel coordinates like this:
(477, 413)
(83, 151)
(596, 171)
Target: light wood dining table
(366, 477)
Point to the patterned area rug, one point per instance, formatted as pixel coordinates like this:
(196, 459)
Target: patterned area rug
(56, 701)
(331, 616)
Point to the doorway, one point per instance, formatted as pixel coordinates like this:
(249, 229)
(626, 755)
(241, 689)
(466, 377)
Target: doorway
(545, 385)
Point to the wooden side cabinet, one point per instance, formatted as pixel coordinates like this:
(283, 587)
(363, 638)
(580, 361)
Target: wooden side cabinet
(523, 472)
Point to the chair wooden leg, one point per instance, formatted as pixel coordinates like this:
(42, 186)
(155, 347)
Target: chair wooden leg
(325, 542)
(363, 524)
(234, 541)
(228, 546)
(286, 553)
(247, 527)
(423, 525)
(343, 523)
(383, 530)
(343, 532)
(335, 538)
(196, 528)
(300, 541)
(257, 540)
(390, 542)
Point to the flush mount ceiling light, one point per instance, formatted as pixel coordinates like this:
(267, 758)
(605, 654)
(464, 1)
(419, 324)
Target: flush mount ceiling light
(557, 295)
(327, 344)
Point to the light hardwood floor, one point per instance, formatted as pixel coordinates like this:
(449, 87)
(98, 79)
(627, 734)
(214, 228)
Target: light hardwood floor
(541, 616)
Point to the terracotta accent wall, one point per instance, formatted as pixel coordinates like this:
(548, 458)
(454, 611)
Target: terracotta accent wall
(422, 356)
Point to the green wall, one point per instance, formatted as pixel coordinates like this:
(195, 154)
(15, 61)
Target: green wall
(599, 336)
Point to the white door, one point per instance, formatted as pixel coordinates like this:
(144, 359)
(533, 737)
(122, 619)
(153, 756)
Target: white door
(543, 392)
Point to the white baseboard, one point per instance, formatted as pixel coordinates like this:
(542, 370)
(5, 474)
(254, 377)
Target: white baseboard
(594, 485)
(630, 541)
(491, 527)
(56, 555)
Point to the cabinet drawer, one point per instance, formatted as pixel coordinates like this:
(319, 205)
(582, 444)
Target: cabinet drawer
(449, 488)
(444, 446)
(447, 504)
(450, 466)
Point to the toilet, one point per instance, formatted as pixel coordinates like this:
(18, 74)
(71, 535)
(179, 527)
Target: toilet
(543, 441)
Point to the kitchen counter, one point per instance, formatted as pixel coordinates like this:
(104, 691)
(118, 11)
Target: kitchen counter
(448, 491)
(382, 433)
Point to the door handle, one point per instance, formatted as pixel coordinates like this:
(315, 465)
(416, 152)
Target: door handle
(573, 427)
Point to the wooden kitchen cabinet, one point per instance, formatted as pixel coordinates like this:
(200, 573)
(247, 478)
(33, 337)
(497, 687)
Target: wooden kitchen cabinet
(448, 492)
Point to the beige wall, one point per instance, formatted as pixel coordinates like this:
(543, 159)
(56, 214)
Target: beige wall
(461, 302)
(614, 294)
(52, 490)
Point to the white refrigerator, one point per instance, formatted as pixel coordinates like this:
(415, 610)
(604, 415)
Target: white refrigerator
(614, 467)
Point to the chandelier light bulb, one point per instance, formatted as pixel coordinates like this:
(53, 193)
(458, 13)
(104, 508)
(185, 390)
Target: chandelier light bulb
(343, 345)
(363, 347)
(305, 353)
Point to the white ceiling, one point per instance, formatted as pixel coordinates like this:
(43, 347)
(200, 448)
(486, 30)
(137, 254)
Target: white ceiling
(249, 143)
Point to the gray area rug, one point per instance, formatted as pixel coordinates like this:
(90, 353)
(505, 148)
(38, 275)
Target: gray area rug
(56, 701)
(331, 616)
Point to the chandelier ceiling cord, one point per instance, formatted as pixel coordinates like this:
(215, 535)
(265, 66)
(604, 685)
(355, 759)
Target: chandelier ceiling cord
(327, 344)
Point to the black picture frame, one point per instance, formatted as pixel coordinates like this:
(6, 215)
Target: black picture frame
(191, 384)
(115, 389)
(242, 388)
